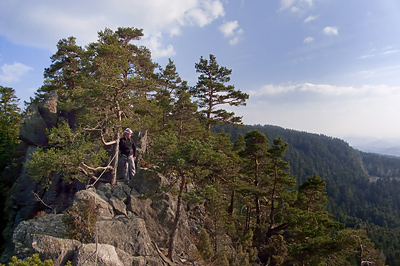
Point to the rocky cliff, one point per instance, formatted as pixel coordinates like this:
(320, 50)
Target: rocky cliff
(132, 229)
(134, 219)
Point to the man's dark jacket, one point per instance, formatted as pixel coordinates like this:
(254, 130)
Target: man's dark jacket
(127, 147)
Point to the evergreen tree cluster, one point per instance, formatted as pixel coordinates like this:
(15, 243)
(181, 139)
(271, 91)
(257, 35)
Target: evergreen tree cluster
(362, 188)
(255, 203)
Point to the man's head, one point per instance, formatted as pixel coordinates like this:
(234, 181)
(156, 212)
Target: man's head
(127, 132)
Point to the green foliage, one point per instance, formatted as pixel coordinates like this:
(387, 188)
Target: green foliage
(10, 120)
(102, 88)
(212, 91)
(80, 221)
(69, 152)
(204, 246)
(33, 260)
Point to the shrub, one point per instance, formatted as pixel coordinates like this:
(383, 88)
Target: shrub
(204, 246)
(34, 260)
(80, 221)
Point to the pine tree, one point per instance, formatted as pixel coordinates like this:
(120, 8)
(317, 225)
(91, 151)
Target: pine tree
(10, 120)
(211, 92)
(312, 226)
(278, 185)
(106, 86)
(255, 152)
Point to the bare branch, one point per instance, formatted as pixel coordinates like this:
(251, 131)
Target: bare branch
(97, 168)
(39, 199)
(82, 170)
(101, 136)
(107, 143)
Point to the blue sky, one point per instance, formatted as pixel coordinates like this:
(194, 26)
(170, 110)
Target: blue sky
(321, 66)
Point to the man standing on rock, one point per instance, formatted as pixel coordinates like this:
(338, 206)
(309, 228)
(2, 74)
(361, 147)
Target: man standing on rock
(128, 152)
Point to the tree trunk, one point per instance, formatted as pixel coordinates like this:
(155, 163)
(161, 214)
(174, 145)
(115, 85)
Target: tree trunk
(272, 210)
(115, 162)
(177, 217)
(248, 211)
(257, 198)
(231, 206)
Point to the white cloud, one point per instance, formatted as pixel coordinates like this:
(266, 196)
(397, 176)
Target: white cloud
(285, 4)
(295, 6)
(232, 30)
(155, 45)
(384, 52)
(330, 31)
(325, 90)
(42, 23)
(308, 39)
(327, 109)
(310, 18)
(228, 28)
(13, 73)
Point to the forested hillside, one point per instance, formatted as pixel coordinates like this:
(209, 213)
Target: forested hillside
(362, 188)
(262, 195)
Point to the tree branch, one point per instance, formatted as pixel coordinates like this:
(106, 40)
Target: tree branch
(101, 136)
(96, 168)
(39, 199)
(106, 143)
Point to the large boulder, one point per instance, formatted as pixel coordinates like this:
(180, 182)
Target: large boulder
(101, 255)
(27, 232)
(48, 109)
(60, 250)
(33, 128)
(128, 233)
(37, 119)
(105, 210)
(149, 181)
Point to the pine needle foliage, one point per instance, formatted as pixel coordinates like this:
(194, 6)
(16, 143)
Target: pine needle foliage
(33, 260)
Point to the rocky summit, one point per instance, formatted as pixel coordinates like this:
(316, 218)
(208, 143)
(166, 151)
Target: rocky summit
(133, 223)
(131, 229)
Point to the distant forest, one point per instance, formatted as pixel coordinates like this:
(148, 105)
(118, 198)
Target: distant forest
(362, 188)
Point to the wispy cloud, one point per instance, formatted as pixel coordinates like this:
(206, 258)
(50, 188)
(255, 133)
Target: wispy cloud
(232, 30)
(290, 92)
(44, 22)
(330, 31)
(326, 109)
(308, 39)
(382, 53)
(295, 6)
(310, 18)
(13, 73)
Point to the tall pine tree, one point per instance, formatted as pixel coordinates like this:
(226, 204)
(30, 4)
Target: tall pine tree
(211, 91)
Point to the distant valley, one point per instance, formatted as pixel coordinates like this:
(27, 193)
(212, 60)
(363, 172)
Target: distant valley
(375, 145)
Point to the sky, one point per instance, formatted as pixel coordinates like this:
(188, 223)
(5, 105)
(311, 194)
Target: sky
(330, 67)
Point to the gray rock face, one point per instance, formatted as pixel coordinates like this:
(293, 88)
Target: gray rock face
(27, 232)
(106, 211)
(121, 239)
(60, 250)
(118, 205)
(37, 119)
(127, 233)
(33, 129)
(48, 109)
(101, 255)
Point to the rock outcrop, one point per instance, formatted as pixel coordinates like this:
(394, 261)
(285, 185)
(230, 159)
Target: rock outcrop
(37, 119)
(132, 238)
(134, 220)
